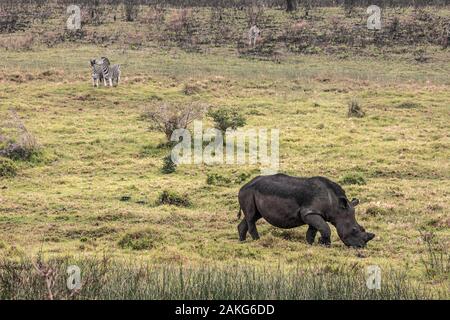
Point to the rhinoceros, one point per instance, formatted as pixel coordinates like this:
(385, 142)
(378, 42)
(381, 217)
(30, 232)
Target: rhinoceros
(288, 202)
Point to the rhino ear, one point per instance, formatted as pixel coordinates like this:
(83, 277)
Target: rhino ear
(343, 202)
(354, 202)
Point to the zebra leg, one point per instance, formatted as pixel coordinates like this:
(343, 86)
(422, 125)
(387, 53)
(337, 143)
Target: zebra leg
(110, 82)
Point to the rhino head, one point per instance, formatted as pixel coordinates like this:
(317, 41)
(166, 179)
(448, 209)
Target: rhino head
(348, 229)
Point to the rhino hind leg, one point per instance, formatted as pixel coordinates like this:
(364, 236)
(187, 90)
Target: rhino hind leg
(252, 228)
(251, 214)
(242, 229)
(311, 234)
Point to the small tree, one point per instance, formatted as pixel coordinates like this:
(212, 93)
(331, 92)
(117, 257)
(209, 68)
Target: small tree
(167, 117)
(226, 118)
(168, 165)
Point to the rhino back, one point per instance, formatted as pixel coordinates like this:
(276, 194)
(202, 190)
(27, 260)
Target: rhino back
(306, 191)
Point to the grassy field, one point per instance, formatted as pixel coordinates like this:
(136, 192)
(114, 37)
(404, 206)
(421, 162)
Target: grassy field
(93, 190)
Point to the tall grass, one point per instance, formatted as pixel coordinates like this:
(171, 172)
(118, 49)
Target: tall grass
(437, 257)
(107, 279)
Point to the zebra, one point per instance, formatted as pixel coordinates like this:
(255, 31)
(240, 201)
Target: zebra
(97, 73)
(110, 73)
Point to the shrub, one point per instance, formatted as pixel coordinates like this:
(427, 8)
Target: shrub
(375, 210)
(168, 165)
(420, 55)
(355, 110)
(217, 179)
(7, 168)
(220, 180)
(140, 240)
(22, 147)
(227, 119)
(191, 88)
(167, 117)
(353, 178)
(172, 198)
(242, 177)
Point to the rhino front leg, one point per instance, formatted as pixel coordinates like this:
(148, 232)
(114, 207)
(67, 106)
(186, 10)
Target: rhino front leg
(311, 235)
(317, 222)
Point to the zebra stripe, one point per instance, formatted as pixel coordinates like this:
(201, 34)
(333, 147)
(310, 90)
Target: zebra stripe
(115, 73)
(97, 72)
(110, 73)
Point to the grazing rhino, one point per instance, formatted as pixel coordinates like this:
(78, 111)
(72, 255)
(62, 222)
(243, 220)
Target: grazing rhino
(288, 202)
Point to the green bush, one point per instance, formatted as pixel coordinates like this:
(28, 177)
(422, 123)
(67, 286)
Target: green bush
(220, 180)
(217, 179)
(7, 168)
(377, 211)
(353, 178)
(172, 198)
(227, 119)
(140, 240)
(168, 165)
(242, 177)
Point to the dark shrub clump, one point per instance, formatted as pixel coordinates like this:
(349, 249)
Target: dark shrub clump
(7, 168)
(172, 198)
(353, 178)
(355, 110)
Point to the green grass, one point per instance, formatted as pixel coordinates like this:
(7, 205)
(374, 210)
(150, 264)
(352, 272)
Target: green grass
(97, 188)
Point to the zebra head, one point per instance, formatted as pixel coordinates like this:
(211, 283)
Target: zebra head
(97, 74)
(105, 61)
